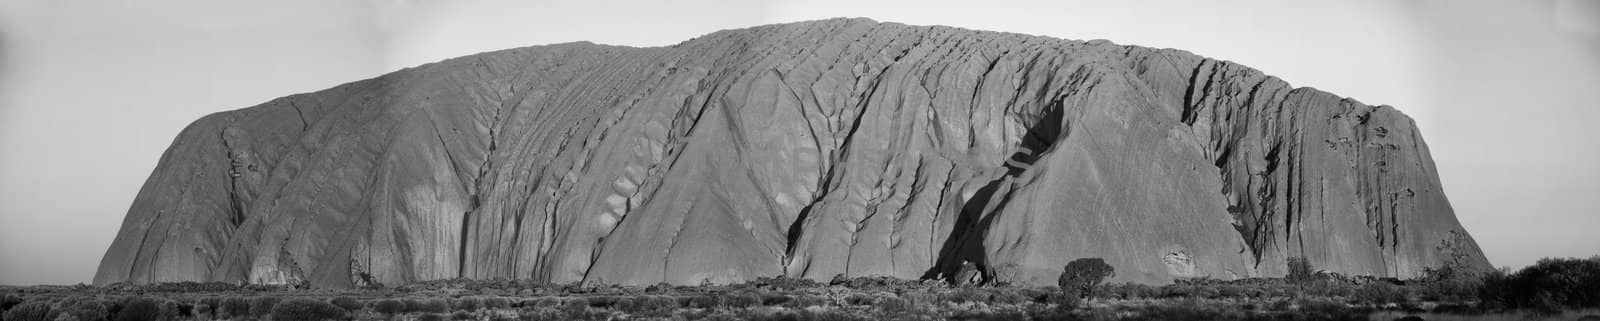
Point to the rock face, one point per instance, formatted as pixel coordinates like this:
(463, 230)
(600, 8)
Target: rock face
(809, 149)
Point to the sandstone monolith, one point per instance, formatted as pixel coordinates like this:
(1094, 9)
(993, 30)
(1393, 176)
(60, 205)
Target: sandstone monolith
(809, 149)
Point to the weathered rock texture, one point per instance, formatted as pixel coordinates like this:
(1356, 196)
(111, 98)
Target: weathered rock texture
(810, 149)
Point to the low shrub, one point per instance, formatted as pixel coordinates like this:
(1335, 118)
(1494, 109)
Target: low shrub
(427, 305)
(603, 302)
(575, 304)
(775, 299)
(213, 306)
(1379, 293)
(28, 311)
(859, 299)
(1549, 284)
(467, 304)
(186, 286)
(496, 303)
(877, 283)
(81, 309)
(347, 303)
(236, 307)
(964, 295)
(892, 304)
(172, 310)
(545, 302)
(742, 299)
(306, 309)
(9, 300)
(204, 311)
(261, 306)
(1126, 291)
(783, 283)
(1065, 301)
(802, 301)
(1300, 269)
(389, 307)
(1037, 295)
(708, 301)
(920, 297)
(826, 314)
(138, 309)
(1007, 296)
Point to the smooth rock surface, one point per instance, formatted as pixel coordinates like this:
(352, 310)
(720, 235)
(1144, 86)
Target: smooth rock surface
(809, 149)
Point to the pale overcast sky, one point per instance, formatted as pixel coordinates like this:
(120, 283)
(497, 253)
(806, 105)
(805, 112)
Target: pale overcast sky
(91, 92)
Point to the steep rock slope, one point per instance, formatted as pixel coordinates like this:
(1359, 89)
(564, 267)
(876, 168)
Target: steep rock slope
(809, 149)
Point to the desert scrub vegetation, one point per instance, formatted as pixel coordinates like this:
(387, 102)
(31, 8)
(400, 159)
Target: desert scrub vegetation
(306, 309)
(1081, 294)
(1549, 284)
(28, 311)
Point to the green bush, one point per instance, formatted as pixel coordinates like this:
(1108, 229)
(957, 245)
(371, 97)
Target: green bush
(187, 286)
(707, 301)
(1381, 293)
(802, 301)
(1007, 296)
(893, 304)
(427, 305)
(920, 297)
(546, 302)
(575, 304)
(603, 302)
(783, 283)
(1550, 284)
(1300, 269)
(9, 300)
(261, 306)
(824, 315)
(81, 309)
(347, 303)
(213, 301)
(647, 304)
(389, 307)
(431, 317)
(1083, 275)
(775, 299)
(963, 295)
(742, 299)
(172, 310)
(859, 299)
(28, 311)
(496, 303)
(236, 307)
(204, 311)
(467, 304)
(138, 309)
(1065, 301)
(306, 309)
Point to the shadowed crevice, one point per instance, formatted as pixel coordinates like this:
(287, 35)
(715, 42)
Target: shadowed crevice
(965, 243)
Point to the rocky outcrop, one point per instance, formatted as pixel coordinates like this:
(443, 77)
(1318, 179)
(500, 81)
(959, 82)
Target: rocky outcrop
(809, 149)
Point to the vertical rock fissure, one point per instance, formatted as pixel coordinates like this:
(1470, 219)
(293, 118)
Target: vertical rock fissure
(476, 188)
(1189, 104)
(236, 208)
(303, 124)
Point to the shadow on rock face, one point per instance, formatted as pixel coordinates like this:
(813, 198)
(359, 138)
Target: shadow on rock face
(966, 241)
